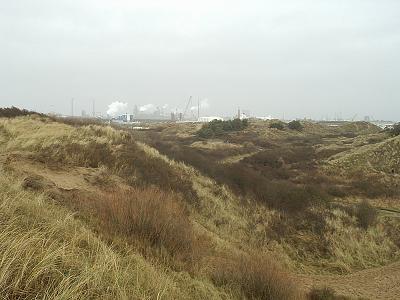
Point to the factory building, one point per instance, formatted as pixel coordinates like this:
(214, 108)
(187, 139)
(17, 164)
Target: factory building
(209, 119)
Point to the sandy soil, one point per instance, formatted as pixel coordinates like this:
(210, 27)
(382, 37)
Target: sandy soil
(376, 283)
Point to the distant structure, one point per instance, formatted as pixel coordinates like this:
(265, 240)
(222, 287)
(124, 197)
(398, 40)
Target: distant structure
(265, 118)
(125, 118)
(367, 118)
(72, 107)
(243, 116)
(209, 119)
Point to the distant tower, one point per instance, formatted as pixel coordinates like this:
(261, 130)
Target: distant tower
(72, 107)
(198, 109)
(238, 113)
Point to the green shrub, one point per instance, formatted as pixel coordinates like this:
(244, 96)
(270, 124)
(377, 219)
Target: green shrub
(295, 125)
(218, 127)
(277, 125)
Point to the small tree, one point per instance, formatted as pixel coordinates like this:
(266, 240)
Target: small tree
(295, 125)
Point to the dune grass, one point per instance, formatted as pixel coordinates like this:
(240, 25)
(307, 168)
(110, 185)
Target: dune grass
(46, 253)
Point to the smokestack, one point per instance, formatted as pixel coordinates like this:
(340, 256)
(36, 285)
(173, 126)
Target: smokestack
(239, 113)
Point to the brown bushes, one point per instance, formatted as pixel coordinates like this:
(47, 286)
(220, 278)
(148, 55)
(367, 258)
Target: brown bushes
(78, 121)
(372, 187)
(366, 214)
(325, 293)
(92, 154)
(151, 216)
(256, 277)
(12, 112)
(139, 168)
(259, 177)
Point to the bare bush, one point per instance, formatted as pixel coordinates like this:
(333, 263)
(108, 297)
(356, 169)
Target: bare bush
(371, 186)
(149, 215)
(256, 276)
(325, 293)
(366, 214)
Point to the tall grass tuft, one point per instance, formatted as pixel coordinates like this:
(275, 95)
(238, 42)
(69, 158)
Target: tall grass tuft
(366, 214)
(151, 216)
(256, 277)
(45, 253)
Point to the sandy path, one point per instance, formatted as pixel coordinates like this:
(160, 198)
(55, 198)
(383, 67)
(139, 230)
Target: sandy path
(376, 283)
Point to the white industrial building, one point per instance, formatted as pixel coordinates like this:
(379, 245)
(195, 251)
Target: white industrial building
(209, 119)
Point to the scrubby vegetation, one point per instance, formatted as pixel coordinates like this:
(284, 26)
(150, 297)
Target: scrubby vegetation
(12, 112)
(324, 294)
(295, 125)
(152, 217)
(395, 131)
(91, 211)
(257, 277)
(366, 214)
(218, 127)
(277, 125)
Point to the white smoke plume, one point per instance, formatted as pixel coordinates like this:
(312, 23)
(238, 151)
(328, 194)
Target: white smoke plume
(149, 108)
(116, 108)
(204, 104)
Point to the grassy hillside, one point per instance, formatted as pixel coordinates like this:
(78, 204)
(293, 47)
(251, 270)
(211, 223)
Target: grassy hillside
(91, 211)
(380, 157)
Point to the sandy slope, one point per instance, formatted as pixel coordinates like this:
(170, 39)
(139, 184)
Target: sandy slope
(376, 283)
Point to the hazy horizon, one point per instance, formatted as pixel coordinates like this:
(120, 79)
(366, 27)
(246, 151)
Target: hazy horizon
(292, 58)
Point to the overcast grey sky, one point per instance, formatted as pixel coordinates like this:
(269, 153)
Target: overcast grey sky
(302, 58)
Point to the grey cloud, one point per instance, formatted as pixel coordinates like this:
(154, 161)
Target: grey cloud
(301, 58)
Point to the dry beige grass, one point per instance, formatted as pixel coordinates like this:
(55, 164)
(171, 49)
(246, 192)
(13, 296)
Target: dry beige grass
(355, 248)
(151, 216)
(380, 157)
(215, 145)
(255, 277)
(46, 253)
